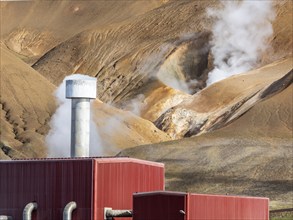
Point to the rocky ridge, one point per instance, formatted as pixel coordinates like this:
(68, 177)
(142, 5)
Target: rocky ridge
(218, 105)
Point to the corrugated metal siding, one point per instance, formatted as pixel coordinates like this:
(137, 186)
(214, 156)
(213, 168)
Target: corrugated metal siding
(92, 183)
(117, 180)
(158, 206)
(166, 205)
(51, 183)
(226, 207)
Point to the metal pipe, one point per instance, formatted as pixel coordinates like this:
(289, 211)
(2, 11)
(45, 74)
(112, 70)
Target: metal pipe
(28, 209)
(69, 208)
(109, 213)
(80, 127)
(80, 91)
(5, 217)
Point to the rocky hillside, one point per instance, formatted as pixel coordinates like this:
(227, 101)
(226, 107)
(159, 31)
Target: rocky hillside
(251, 156)
(31, 29)
(132, 47)
(120, 129)
(151, 59)
(27, 105)
(218, 105)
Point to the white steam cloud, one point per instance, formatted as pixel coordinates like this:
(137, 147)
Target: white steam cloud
(135, 105)
(240, 36)
(58, 138)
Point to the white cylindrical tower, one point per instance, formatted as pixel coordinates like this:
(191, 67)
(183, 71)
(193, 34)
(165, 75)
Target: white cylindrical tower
(81, 91)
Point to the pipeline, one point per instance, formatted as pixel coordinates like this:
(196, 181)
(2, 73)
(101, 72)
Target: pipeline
(109, 214)
(28, 209)
(5, 217)
(67, 212)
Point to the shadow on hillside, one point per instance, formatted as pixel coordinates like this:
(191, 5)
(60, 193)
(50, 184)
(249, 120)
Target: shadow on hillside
(204, 182)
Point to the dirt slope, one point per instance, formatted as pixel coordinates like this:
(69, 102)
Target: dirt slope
(251, 156)
(270, 118)
(172, 38)
(32, 28)
(282, 41)
(124, 58)
(120, 129)
(27, 104)
(225, 101)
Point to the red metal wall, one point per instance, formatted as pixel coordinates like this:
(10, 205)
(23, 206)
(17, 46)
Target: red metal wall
(158, 206)
(51, 183)
(92, 183)
(117, 180)
(166, 205)
(227, 207)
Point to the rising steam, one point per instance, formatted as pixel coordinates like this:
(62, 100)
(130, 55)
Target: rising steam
(240, 36)
(58, 138)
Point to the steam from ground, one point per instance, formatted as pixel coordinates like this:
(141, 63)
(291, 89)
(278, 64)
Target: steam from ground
(240, 36)
(171, 71)
(168, 74)
(58, 138)
(135, 105)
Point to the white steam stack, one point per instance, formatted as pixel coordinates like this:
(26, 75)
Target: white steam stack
(81, 91)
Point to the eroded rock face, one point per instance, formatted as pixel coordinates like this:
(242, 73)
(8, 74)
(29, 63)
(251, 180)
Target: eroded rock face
(206, 112)
(125, 57)
(185, 68)
(163, 42)
(159, 99)
(30, 44)
(250, 156)
(31, 29)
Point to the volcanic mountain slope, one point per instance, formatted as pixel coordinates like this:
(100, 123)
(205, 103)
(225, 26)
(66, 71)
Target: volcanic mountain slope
(251, 156)
(32, 28)
(124, 50)
(124, 58)
(221, 103)
(156, 99)
(138, 50)
(282, 41)
(170, 42)
(120, 129)
(27, 105)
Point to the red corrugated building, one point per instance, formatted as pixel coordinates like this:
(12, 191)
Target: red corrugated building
(187, 206)
(93, 183)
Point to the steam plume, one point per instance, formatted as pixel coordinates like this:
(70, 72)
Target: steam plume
(58, 138)
(135, 105)
(240, 36)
